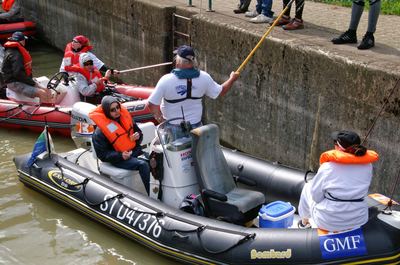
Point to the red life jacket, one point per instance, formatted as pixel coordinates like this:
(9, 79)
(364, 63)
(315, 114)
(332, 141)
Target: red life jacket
(71, 57)
(91, 77)
(7, 5)
(347, 158)
(116, 132)
(25, 55)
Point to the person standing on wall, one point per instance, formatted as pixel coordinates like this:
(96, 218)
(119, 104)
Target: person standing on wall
(184, 88)
(297, 22)
(350, 36)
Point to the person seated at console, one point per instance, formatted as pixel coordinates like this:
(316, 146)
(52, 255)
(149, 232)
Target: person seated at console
(87, 78)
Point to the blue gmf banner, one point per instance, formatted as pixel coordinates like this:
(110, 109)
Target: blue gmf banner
(341, 245)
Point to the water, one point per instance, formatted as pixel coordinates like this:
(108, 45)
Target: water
(34, 229)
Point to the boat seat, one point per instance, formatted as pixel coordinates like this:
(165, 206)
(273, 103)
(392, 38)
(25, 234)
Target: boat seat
(222, 199)
(125, 176)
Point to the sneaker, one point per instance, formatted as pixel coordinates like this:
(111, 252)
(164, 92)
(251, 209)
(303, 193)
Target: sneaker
(261, 19)
(253, 13)
(283, 20)
(294, 24)
(349, 36)
(303, 226)
(367, 42)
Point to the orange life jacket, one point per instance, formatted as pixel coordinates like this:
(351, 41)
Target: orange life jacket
(71, 57)
(347, 158)
(91, 77)
(25, 55)
(116, 132)
(7, 4)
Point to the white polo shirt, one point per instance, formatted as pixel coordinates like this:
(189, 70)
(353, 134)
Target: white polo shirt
(170, 87)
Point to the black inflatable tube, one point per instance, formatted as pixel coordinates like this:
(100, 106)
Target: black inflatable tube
(273, 179)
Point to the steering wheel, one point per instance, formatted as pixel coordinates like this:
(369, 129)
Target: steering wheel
(110, 90)
(56, 79)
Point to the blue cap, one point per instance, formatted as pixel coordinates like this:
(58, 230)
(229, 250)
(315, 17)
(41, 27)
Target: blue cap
(185, 52)
(17, 36)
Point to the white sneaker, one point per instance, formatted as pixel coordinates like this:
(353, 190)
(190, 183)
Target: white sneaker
(253, 13)
(262, 19)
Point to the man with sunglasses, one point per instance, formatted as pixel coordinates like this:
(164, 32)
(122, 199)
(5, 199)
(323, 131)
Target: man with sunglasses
(117, 138)
(87, 78)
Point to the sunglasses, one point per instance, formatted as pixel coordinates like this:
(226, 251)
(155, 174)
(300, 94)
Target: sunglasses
(115, 109)
(88, 63)
(75, 41)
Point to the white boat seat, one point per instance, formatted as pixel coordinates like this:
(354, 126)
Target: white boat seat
(221, 197)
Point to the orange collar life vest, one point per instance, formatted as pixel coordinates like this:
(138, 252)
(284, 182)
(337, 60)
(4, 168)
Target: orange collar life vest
(7, 5)
(91, 77)
(25, 55)
(71, 57)
(347, 158)
(116, 132)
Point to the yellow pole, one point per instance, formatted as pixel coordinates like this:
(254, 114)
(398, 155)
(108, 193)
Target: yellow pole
(262, 39)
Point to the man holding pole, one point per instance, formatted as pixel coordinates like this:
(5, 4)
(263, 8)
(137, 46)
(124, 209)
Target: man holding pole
(184, 88)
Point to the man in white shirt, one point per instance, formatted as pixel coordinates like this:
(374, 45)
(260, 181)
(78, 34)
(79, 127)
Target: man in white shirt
(184, 88)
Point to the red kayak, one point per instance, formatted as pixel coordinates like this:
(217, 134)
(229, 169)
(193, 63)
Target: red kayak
(26, 27)
(33, 116)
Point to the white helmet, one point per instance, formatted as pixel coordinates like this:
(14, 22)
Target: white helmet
(83, 58)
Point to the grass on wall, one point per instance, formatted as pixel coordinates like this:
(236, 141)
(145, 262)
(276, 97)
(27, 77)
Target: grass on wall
(388, 7)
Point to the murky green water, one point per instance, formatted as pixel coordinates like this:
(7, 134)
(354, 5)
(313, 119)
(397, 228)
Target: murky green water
(34, 229)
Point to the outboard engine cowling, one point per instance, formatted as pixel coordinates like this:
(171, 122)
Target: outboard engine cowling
(82, 127)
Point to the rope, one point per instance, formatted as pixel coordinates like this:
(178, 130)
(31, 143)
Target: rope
(380, 112)
(390, 202)
(388, 209)
(55, 109)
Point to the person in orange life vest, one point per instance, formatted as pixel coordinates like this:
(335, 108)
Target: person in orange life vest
(17, 69)
(334, 198)
(87, 78)
(73, 50)
(12, 11)
(117, 138)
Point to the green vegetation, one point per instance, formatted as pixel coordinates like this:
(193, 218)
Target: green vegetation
(389, 7)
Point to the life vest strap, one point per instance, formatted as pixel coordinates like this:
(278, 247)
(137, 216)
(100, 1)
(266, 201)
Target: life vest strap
(188, 93)
(332, 198)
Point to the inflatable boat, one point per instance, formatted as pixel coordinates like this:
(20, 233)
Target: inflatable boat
(207, 204)
(26, 27)
(19, 112)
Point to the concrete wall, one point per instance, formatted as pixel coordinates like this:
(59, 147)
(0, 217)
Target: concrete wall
(284, 106)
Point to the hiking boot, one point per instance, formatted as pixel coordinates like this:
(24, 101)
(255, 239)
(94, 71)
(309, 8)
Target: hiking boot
(283, 20)
(367, 42)
(253, 13)
(303, 226)
(349, 36)
(294, 24)
(261, 19)
(242, 7)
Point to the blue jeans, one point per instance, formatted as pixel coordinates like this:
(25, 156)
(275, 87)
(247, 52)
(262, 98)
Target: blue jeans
(264, 7)
(134, 163)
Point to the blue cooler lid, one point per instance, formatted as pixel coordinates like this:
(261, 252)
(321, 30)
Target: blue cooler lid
(276, 209)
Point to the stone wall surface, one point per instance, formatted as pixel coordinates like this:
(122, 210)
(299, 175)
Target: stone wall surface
(289, 98)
